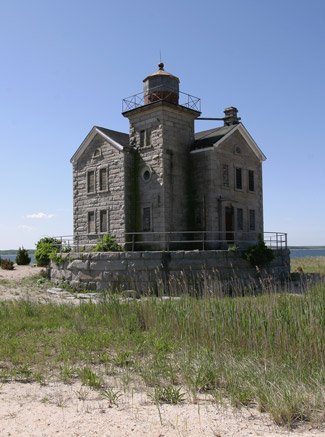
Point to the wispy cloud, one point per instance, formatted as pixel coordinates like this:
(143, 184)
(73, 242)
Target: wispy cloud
(26, 228)
(39, 216)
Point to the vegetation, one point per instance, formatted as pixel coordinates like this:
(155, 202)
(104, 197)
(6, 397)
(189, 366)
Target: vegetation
(107, 243)
(266, 350)
(6, 264)
(315, 264)
(44, 247)
(22, 257)
(259, 255)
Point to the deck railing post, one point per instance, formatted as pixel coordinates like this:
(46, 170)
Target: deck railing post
(133, 237)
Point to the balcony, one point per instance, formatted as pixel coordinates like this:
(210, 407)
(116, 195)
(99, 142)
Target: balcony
(161, 94)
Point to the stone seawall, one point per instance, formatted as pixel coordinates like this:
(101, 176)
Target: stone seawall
(163, 272)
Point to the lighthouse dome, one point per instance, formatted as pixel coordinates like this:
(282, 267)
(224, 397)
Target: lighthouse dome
(161, 85)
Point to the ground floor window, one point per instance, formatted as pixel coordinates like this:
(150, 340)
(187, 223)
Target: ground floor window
(240, 219)
(252, 220)
(146, 219)
(91, 222)
(103, 225)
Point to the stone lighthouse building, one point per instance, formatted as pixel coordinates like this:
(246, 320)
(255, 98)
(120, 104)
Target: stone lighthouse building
(164, 185)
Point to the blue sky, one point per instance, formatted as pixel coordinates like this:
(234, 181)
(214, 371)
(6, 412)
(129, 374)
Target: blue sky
(66, 65)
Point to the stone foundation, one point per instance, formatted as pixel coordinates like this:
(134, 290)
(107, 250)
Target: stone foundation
(171, 273)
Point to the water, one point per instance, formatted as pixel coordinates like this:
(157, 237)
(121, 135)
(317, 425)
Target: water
(303, 253)
(12, 257)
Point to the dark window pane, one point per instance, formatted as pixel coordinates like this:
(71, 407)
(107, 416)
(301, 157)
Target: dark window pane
(91, 222)
(251, 182)
(90, 181)
(146, 219)
(142, 138)
(239, 183)
(103, 179)
(240, 221)
(225, 175)
(103, 221)
(252, 225)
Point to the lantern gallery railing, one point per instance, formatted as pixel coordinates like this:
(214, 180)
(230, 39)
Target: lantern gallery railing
(182, 240)
(159, 94)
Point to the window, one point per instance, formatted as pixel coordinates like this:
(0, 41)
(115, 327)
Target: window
(91, 181)
(252, 224)
(239, 181)
(103, 226)
(225, 175)
(142, 138)
(251, 181)
(145, 138)
(103, 183)
(240, 219)
(198, 215)
(91, 222)
(146, 219)
(97, 153)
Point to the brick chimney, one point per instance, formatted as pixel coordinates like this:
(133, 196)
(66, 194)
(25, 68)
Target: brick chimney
(231, 116)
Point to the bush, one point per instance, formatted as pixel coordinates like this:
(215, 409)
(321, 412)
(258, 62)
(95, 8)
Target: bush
(259, 255)
(44, 248)
(22, 258)
(6, 264)
(107, 243)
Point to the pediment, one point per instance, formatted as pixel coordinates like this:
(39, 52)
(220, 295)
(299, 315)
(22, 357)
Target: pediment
(240, 128)
(105, 134)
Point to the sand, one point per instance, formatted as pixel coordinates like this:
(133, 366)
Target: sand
(58, 409)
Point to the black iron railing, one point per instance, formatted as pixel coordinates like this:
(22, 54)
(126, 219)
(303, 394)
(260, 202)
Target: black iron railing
(161, 93)
(182, 240)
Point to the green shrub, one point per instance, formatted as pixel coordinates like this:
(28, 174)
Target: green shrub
(259, 255)
(6, 264)
(22, 258)
(107, 243)
(44, 248)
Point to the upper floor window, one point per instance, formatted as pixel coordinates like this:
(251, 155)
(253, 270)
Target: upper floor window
(252, 221)
(239, 178)
(225, 175)
(103, 179)
(251, 180)
(90, 181)
(145, 137)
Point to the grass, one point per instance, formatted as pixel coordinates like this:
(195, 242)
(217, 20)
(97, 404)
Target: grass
(315, 264)
(266, 350)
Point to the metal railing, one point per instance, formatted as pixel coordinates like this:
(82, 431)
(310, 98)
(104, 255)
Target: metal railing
(158, 94)
(181, 240)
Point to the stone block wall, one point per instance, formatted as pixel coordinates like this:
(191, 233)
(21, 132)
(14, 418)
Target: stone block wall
(170, 273)
(111, 200)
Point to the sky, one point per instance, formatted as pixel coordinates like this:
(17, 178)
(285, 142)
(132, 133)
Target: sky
(66, 65)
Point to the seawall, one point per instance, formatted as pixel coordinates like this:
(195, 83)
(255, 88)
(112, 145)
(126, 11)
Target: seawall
(170, 273)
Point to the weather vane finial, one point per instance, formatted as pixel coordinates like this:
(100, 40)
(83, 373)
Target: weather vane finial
(161, 64)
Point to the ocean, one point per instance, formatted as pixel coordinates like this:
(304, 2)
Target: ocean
(305, 252)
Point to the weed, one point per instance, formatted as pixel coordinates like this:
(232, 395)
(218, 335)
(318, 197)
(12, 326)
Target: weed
(88, 377)
(168, 395)
(111, 395)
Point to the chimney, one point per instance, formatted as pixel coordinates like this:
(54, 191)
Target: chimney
(231, 116)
